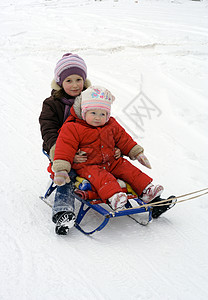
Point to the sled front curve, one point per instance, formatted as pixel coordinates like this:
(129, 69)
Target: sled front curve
(87, 205)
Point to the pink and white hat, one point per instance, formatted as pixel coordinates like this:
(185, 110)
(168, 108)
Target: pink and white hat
(96, 97)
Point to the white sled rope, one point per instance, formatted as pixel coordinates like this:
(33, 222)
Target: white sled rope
(164, 202)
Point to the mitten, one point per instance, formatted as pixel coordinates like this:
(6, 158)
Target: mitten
(61, 178)
(52, 152)
(143, 160)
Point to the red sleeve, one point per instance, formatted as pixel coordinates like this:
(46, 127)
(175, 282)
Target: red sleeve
(67, 143)
(123, 140)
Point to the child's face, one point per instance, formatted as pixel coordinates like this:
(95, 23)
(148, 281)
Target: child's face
(73, 85)
(96, 117)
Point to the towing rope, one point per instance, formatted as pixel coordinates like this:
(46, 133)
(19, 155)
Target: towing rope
(162, 202)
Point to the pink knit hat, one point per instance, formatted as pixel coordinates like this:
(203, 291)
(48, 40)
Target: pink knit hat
(68, 65)
(96, 97)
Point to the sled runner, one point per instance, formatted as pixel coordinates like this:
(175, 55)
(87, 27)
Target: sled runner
(108, 214)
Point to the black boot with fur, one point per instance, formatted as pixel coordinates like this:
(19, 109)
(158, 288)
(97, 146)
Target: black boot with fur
(163, 207)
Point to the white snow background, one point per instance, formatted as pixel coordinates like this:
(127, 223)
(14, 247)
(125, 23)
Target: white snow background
(156, 48)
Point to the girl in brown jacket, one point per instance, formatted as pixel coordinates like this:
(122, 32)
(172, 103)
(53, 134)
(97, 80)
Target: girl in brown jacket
(70, 79)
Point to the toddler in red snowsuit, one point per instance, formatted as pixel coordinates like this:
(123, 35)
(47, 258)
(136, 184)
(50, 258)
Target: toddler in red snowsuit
(91, 129)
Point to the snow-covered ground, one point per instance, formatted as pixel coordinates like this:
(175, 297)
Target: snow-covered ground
(151, 54)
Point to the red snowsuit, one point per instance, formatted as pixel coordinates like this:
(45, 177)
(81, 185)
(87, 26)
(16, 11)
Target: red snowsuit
(101, 168)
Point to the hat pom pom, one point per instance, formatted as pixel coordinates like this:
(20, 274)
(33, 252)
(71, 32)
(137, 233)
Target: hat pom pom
(109, 96)
(66, 54)
(113, 99)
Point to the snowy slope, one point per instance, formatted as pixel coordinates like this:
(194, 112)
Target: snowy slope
(152, 51)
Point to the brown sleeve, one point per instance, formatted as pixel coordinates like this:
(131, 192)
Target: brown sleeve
(51, 120)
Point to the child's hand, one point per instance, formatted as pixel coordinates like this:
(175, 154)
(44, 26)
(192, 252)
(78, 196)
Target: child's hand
(61, 178)
(117, 153)
(143, 160)
(80, 157)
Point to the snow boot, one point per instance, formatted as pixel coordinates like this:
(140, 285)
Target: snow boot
(151, 192)
(65, 221)
(163, 207)
(118, 200)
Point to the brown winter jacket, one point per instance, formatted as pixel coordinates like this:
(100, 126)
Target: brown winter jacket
(51, 119)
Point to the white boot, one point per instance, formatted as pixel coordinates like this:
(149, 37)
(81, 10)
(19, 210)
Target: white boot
(151, 192)
(118, 200)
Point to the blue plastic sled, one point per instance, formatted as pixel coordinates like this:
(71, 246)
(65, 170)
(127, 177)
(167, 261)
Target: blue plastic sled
(86, 205)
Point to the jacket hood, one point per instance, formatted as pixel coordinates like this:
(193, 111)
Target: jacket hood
(77, 106)
(74, 117)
